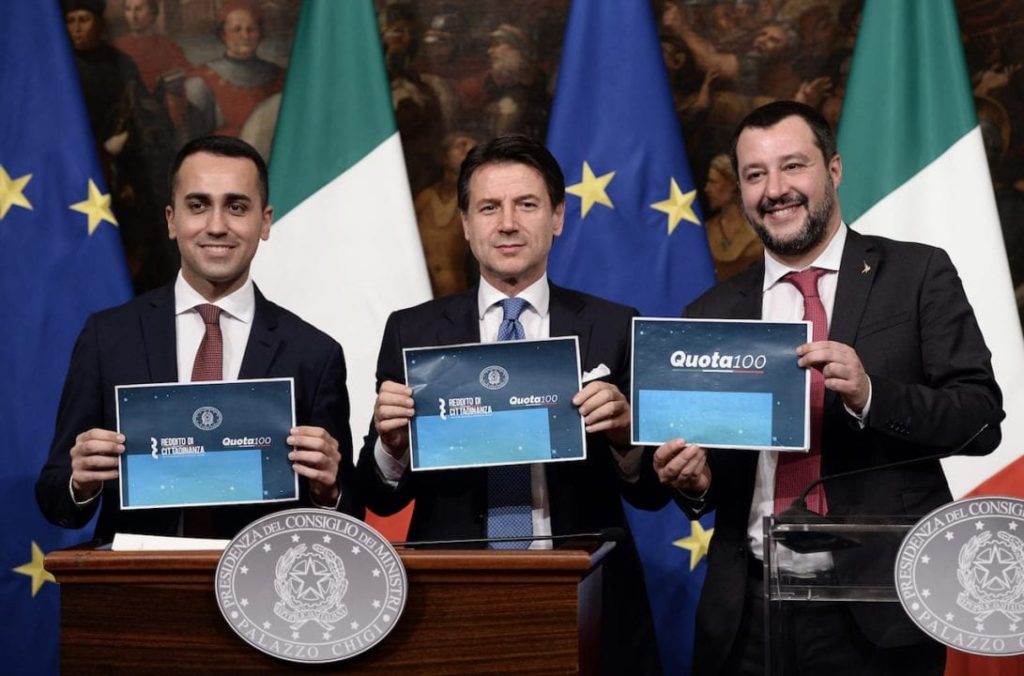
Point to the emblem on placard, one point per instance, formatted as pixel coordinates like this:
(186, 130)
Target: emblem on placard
(207, 418)
(494, 377)
(311, 585)
(960, 575)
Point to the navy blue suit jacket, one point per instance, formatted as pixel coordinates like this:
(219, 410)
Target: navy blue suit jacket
(584, 496)
(902, 307)
(135, 343)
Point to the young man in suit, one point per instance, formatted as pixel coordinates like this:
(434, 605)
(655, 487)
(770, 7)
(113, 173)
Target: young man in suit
(903, 373)
(511, 195)
(218, 214)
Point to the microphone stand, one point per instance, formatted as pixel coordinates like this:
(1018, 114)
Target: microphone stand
(798, 514)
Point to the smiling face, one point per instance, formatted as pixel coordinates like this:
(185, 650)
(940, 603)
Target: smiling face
(788, 190)
(218, 219)
(510, 224)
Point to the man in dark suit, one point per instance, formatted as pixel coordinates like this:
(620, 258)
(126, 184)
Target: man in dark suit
(511, 195)
(905, 374)
(218, 215)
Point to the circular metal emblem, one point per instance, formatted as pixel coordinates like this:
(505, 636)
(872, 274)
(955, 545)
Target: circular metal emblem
(207, 418)
(311, 585)
(960, 575)
(494, 377)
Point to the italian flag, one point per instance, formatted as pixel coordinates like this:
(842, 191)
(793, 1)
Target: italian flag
(344, 251)
(915, 169)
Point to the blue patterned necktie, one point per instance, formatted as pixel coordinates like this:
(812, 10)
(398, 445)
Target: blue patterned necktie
(509, 494)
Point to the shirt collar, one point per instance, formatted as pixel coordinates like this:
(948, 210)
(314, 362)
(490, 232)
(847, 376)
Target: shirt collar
(828, 260)
(240, 304)
(538, 295)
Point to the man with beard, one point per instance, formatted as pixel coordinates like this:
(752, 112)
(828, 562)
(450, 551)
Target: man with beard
(900, 370)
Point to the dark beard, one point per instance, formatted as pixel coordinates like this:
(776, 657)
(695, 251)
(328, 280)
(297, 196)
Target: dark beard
(813, 231)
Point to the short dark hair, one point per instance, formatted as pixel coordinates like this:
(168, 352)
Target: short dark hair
(512, 149)
(772, 113)
(225, 146)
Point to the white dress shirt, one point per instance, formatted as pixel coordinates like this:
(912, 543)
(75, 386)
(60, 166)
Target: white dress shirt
(782, 302)
(536, 321)
(237, 311)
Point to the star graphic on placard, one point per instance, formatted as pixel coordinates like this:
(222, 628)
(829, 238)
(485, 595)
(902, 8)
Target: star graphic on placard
(96, 207)
(591, 190)
(696, 542)
(12, 192)
(35, 570)
(678, 206)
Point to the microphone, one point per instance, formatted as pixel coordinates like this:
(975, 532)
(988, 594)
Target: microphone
(799, 514)
(611, 534)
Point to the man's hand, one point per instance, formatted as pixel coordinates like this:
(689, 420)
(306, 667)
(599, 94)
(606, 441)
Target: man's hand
(683, 466)
(605, 409)
(94, 460)
(842, 369)
(315, 455)
(391, 413)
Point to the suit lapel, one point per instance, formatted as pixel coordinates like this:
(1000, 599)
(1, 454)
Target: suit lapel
(461, 320)
(158, 336)
(856, 276)
(749, 300)
(565, 319)
(264, 340)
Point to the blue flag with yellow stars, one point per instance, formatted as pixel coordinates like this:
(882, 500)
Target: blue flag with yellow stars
(60, 260)
(633, 234)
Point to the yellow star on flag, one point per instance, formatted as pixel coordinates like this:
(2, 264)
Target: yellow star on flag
(96, 207)
(591, 190)
(697, 542)
(34, 569)
(678, 206)
(11, 194)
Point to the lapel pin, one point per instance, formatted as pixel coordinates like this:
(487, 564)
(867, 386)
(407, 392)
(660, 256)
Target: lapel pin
(867, 268)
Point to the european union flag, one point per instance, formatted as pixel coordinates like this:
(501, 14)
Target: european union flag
(634, 234)
(60, 260)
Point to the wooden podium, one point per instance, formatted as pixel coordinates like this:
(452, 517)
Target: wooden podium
(467, 612)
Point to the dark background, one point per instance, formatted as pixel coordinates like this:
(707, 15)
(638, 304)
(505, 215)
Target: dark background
(464, 70)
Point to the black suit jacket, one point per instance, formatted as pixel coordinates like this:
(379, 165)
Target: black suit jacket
(584, 496)
(135, 343)
(901, 306)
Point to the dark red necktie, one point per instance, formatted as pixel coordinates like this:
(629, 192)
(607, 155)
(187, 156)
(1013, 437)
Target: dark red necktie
(209, 364)
(796, 470)
(198, 522)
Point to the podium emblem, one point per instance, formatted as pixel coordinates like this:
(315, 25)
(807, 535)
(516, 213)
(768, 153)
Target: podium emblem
(311, 585)
(960, 575)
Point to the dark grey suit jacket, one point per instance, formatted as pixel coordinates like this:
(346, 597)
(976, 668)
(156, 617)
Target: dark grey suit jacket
(135, 343)
(584, 496)
(901, 306)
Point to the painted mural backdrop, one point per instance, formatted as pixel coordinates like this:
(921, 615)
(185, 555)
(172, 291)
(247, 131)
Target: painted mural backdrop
(158, 72)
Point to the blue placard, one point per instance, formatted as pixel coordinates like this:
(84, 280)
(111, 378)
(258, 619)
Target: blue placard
(211, 443)
(720, 383)
(495, 404)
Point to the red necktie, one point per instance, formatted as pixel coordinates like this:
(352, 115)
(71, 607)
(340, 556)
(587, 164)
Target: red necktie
(209, 364)
(198, 522)
(796, 470)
